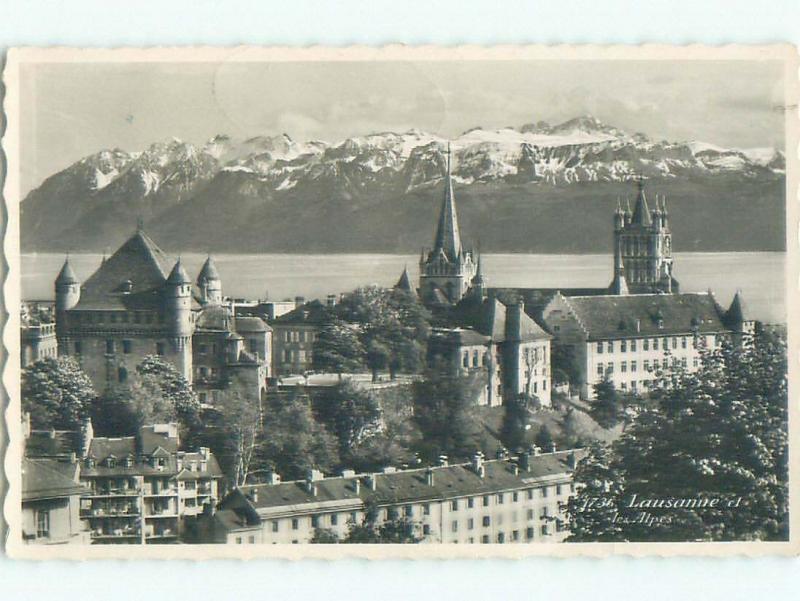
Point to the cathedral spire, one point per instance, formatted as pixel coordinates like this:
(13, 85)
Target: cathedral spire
(641, 213)
(448, 238)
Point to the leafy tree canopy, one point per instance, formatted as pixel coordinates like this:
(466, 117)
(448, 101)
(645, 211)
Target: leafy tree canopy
(56, 393)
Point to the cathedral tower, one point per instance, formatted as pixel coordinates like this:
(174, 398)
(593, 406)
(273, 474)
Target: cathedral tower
(642, 248)
(446, 271)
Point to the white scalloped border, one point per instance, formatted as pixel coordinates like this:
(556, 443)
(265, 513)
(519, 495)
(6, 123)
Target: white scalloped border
(11, 291)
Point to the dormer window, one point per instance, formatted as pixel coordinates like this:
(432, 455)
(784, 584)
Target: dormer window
(129, 461)
(111, 462)
(89, 462)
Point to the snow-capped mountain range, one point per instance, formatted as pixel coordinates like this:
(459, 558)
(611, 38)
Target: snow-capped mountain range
(168, 178)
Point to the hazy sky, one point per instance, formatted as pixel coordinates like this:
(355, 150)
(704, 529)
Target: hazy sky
(71, 110)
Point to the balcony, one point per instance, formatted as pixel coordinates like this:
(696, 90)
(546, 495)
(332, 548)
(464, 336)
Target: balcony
(119, 533)
(101, 512)
(113, 492)
(160, 492)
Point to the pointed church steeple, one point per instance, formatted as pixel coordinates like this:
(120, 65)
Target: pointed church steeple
(448, 238)
(404, 283)
(641, 213)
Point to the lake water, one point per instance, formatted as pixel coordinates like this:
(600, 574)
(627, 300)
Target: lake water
(760, 276)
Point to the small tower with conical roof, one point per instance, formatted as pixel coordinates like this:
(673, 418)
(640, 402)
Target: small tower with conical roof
(446, 271)
(210, 284)
(737, 320)
(478, 284)
(68, 293)
(178, 314)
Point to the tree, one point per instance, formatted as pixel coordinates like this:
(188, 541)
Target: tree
(174, 387)
(719, 434)
(516, 418)
(394, 530)
(294, 441)
(324, 536)
(240, 423)
(338, 348)
(445, 409)
(350, 413)
(607, 408)
(544, 439)
(378, 355)
(56, 393)
(593, 512)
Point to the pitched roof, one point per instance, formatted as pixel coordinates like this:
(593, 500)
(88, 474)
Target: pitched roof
(447, 237)
(639, 315)
(178, 275)
(138, 262)
(310, 313)
(404, 283)
(42, 479)
(48, 443)
(215, 318)
(736, 312)
(251, 324)
(407, 486)
(66, 275)
(209, 271)
(641, 214)
(461, 336)
(500, 322)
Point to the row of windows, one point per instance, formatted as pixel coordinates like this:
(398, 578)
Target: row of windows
(647, 343)
(118, 317)
(299, 336)
(608, 368)
(299, 356)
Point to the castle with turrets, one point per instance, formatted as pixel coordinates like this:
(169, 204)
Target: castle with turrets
(138, 303)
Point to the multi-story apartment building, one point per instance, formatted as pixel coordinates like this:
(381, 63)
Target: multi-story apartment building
(50, 503)
(506, 500)
(138, 303)
(629, 340)
(293, 336)
(140, 488)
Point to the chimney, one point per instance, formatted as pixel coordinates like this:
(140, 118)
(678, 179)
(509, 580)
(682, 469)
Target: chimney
(348, 473)
(357, 486)
(87, 434)
(299, 300)
(312, 476)
(273, 478)
(442, 461)
(552, 447)
(572, 460)
(515, 468)
(477, 464)
(429, 476)
(638, 325)
(372, 481)
(525, 461)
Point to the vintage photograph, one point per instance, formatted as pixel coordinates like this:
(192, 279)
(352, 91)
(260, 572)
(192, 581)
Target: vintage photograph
(400, 296)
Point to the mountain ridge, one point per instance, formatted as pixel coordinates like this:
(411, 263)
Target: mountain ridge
(273, 193)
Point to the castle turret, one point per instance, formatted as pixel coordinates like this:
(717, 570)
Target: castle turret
(209, 283)
(178, 313)
(68, 293)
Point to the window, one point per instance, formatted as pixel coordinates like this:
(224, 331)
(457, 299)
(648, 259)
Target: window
(545, 530)
(426, 529)
(633, 345)
(500, 498)
(454, 526)
(159, 348)
(623, 367)
(334, 519)
(531, 514)
(674, 343)
(474, 358)
(314, 521)
(655, 344)
(501, 537)
(470, 502)
(610, 346)
(529, 533)
(647, 364)
(78, 347)
(251, 540)
(515, 535)
(683, 342)
(43, 524)
(486, 521)
(683, 361)
(559, 489)
(695, 362)
(610, 368)
(109, 346)
(470, 524)
(485, 539)
(623, 346)
(486, 500)
(295, 524)
(634, 366)
(127, 347)
(426, 509)
(544, 513)
(600, 370)
(515, 497)
(408, 511)
(122, 375)
(238, 540)
(544, 492)
(465, 359)
(600, 347)
(530, 494)
(665, 363)
(646, 344)
(454, 505)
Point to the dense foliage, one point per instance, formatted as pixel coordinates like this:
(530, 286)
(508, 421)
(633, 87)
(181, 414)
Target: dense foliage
(57, 394)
